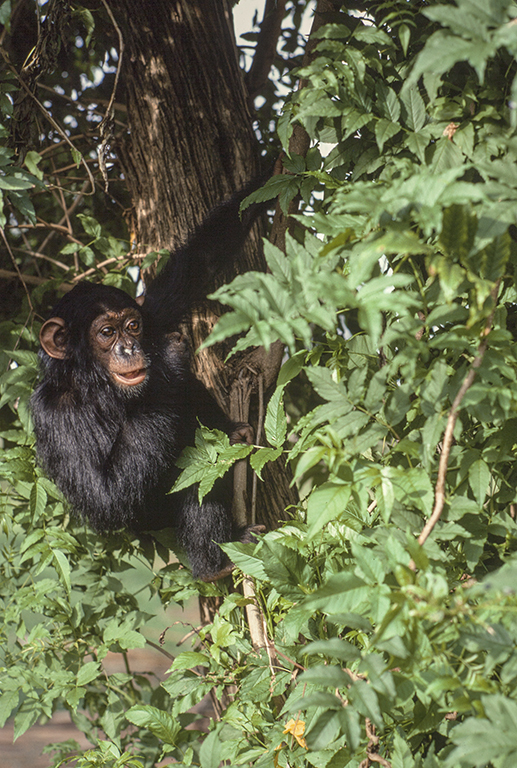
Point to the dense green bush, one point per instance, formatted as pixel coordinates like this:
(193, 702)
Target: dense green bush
(390, 641)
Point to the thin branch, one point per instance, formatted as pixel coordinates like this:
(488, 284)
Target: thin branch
(265, 50)
(49, 117)
(299, 142)
(86, 105)
(38, 255)
(371, 749)
(106, 126)
(258, 436)
(6, 274)
(46, 225)
(68, 212)
(159, 648)
(18, 273)
(100, 265)
(439, 498)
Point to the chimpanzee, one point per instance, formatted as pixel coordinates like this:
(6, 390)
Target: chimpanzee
(117, 402)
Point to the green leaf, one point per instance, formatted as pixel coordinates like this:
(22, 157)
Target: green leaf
(8, 703)
(24, 719)
(479, 479)
(90, 225)
(210, 752)
(291, 368)
(327, 676)
(38, 500)
(483, 740)
(458, 231)
(385, 130)
(5, 12)
(14, 182)
(62, 566)
(324, 731)
(32, 160)
(413, 109)
(275, 423)
(326, 503)
(404, 37)
(88, 672)
(262, 457)
(335, 648)
(160, 723)
(190, 659)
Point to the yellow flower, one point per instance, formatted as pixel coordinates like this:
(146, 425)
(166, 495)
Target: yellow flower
(297, 728)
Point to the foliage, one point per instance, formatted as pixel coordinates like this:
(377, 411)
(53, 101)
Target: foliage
(397, 290)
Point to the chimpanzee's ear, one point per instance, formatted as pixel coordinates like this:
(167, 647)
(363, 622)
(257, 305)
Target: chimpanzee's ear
(52, 337)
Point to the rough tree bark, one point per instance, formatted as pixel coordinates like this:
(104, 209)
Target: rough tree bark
(191, 144)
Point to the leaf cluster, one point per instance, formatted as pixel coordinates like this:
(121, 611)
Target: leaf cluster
(396, 302)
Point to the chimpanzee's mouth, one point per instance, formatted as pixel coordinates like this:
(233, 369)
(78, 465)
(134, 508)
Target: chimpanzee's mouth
(131, 378)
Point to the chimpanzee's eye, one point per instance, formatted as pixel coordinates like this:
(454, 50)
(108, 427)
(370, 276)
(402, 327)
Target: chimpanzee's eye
(133, 326)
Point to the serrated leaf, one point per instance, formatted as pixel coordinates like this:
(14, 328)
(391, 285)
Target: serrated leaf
(330, 676)
(483, 740)
(14, 183)
(160, 723)
(325, 730)
(262, 457)
(479, 479)
(385, 130)
(326, 503)
(190, 659)
(88, 672)
(458, 231)
(90, 225)
(210, 751)
(32, 159)
(23, 720)
(337, 648)
(62, 566)
(38, 500)
(404, 36)
(8, 703)
(413, 107)
(275, 423)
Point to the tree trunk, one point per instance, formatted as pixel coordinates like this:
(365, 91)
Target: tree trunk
(191, 144)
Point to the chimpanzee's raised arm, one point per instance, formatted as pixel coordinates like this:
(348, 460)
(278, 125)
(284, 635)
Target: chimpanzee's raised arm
(189, 274)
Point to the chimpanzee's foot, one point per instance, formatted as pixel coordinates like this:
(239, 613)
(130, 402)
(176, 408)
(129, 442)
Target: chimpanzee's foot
(220, 574)
(247, 534)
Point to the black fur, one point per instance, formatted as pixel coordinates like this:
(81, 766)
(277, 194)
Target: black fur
(113, 452)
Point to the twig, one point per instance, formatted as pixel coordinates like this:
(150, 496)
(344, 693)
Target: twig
(439, 498)
(49, 117)
(265, 49)
(6, 274)
(18, 273)
(299, 142)
(239, 411)
(38, 255)
(159, 648)
(68, 212)
(372, 756)
(106, 126)
(257, 440)
(100, 265)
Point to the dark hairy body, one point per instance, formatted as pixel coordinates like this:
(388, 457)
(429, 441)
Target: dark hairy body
(117, 402)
